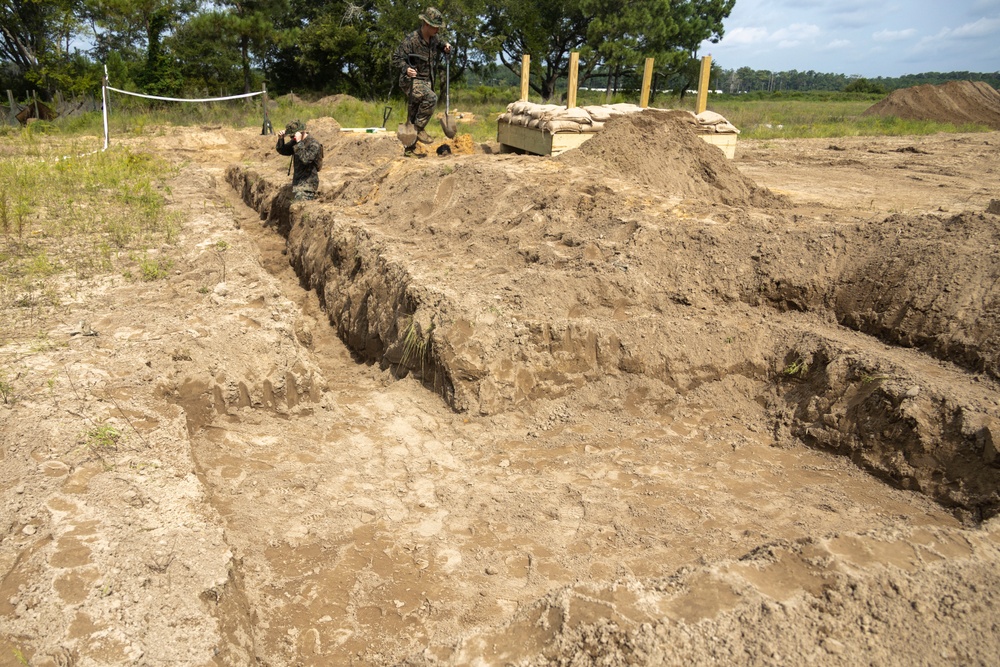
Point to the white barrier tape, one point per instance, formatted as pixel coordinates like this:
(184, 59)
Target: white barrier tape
(186, 99)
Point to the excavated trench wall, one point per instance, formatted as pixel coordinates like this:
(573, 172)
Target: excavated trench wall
(883, 415)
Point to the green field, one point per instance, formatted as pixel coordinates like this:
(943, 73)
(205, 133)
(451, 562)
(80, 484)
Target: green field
(759, 116)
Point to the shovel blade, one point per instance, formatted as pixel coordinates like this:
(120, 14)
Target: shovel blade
(407, 134)
(448, 125)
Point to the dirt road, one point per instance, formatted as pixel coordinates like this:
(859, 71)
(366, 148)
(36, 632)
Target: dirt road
(636, 405)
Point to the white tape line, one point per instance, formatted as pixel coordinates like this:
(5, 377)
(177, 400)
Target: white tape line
(187, 99)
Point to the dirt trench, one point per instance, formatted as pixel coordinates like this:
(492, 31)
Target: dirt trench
(892, 414)
(769, 314)
(498, 410)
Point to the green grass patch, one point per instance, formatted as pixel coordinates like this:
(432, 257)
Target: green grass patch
(74, 218)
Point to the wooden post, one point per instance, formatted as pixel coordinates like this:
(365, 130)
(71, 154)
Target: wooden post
(647, 77)
(706, 71)
(12, 114)
(525, 76)
(574, 79)
(266, 128)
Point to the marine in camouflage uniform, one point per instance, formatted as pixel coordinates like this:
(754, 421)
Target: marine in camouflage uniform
(420, 50)
(306, 160)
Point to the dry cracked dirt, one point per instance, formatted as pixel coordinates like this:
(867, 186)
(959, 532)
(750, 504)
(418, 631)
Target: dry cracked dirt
(634, 405)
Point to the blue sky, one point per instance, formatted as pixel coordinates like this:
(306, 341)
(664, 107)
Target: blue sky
(872, 38)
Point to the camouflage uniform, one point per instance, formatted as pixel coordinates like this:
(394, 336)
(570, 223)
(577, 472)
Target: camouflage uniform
(420, 91)
(306, 156)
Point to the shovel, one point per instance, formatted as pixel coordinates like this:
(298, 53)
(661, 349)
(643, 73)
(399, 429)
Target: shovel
(406, 132)
(447, 123)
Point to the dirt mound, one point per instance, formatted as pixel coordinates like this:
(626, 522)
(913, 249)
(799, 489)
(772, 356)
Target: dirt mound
(334, 100)
(360, 150)
(955, 102)
(292, 98)
(463, 145)
(657, 149)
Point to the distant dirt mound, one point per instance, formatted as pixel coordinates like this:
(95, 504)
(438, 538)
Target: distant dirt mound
(953, 102)
(658, 149)
(334, 100)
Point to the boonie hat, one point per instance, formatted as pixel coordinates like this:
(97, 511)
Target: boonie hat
(295, 126)
(433, 18)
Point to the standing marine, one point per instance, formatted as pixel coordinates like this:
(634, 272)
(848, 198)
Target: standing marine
(415, 58)
(307, 159)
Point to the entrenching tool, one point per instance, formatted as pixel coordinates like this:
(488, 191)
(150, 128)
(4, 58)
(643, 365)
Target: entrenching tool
(448, 123)
(407, 132)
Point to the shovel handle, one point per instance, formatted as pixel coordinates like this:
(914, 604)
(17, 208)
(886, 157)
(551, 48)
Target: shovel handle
(447, 84)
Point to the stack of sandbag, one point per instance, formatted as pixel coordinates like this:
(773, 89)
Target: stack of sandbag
(711, 122)
(556, 118)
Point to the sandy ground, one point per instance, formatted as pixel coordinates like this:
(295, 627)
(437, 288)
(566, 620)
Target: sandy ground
(633, 406)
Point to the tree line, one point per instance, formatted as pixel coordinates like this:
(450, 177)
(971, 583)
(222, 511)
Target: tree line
(747, 80)
(217, 47)
(181, 47)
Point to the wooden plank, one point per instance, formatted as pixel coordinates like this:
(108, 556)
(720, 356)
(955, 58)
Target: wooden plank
(564, 141)
(706, 72)
(725, 142)
(647, 78)
(527, 139)
(537, 142)
(525, 76)
(574, 79)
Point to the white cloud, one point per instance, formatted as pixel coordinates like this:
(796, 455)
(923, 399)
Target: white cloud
(981, 28)
(743, 36)
(893, 35)
(795, 34)
(888, 38)
(837, 44)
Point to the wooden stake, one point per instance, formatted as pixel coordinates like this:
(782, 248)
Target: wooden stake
(706, 71)
(574, 79)
(12, 114)
(266, 127)
(525, 76)
(647, 77)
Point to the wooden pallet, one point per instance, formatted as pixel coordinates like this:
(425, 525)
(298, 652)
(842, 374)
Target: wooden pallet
(520, 139)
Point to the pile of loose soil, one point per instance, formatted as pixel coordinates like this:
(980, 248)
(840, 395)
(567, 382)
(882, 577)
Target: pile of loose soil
(292, 98)
(657, 149)
(955, 102)
(334, 100)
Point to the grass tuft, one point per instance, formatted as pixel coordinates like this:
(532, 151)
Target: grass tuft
(65, 219)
